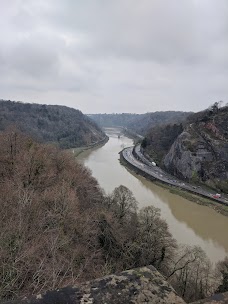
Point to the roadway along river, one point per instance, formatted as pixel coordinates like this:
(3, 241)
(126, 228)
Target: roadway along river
(189, 223)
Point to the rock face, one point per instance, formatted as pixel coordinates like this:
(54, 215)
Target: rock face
(200, 152)
(221, 298)
(141, 285)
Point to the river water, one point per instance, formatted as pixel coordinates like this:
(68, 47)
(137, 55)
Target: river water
(189, 223)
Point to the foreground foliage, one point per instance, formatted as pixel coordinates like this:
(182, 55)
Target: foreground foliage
(57, 227)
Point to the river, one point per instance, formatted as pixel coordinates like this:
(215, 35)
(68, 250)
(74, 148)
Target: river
(189, 223)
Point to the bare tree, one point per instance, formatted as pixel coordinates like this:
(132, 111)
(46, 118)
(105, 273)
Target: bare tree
(192, 274)
(222, 267)
(155, 241)
(123, 202)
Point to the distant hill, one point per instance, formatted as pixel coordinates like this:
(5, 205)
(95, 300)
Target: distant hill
(50, 123)
(145, 122)
(195, 150)
(114, 120)
(139, 123)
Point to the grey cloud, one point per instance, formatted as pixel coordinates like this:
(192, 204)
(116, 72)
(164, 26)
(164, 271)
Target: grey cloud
(122, 55)
(157, 30)
(34, 59)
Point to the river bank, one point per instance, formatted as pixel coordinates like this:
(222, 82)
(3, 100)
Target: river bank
(190, 223)
(222, 209)
(79, 150)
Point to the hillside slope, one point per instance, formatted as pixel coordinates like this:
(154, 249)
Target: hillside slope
(200, 152)
(50, 123)
(114, 120)
(196, 150)
(159, 140)
(139, 123)
(143, 123)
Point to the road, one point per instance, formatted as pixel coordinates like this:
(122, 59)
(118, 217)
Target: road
(146, 166)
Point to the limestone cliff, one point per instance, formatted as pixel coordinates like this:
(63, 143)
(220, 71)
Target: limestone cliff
(221, 298)
(140, 285)
(136, 286)
(200, 152)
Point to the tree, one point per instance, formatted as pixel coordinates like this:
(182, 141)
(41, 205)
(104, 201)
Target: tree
(57, 227)
(222, 267)
(48, 228)
(215, 107)
(123, 202)
(192, 274)
(154, 239)
(144, 143)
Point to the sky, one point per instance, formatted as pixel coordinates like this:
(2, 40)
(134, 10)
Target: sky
(107, 56)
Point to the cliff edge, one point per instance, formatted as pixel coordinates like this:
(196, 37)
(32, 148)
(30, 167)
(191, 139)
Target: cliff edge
(140, 285)
(200, 152)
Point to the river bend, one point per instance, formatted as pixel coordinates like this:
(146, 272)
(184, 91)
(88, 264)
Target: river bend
(189, 222)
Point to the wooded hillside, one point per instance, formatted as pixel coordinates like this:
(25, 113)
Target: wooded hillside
(58, 228)
(196, 150)
(58, 124)
(139, 123)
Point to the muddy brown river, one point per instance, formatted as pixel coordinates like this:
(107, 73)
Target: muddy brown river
(189, 223)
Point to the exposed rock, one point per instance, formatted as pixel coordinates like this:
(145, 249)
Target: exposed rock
(180, 160)
(221, 298)
(200, 152)
(141, 285)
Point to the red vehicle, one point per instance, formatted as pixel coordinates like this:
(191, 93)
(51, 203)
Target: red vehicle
(217, 195)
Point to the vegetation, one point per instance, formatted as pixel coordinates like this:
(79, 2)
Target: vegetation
(196, 149)
(139, 123)
(114, 120)
(58, 228)
(65, 126)
(160, 139)
(223, 269)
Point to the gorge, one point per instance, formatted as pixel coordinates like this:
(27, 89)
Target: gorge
(188, 222)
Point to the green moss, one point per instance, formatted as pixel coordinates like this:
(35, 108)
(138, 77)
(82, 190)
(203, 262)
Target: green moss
(195, 177)
(222, 185)
(189, 145)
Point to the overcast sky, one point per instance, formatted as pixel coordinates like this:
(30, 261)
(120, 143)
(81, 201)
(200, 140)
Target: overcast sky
(115, 55)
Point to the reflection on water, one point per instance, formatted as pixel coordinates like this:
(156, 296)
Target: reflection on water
(188, 222)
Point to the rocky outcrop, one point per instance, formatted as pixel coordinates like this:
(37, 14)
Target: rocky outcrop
(135, 286)
(221, 298)
(200, 152)
(141, 285)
